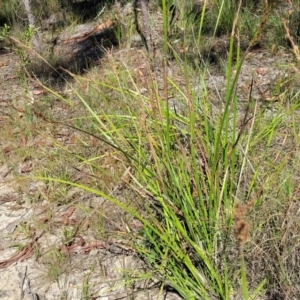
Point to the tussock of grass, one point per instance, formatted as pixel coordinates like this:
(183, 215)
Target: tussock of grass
(182, 165)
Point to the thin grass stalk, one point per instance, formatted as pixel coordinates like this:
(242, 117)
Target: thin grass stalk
(221, 9)
(244, 282)
(165, 25)
(199, 35)
(224, 125)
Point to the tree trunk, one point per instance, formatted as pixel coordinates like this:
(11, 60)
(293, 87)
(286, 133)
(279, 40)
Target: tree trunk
(146, 25)
(35, 39)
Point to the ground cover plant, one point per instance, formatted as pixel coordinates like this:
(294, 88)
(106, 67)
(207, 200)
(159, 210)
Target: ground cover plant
(207, 177)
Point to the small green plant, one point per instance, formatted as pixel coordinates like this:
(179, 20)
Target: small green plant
(68, 234)
(5, 31)
(28, 34)
(56, 264)
(86, 288)
(4, 36)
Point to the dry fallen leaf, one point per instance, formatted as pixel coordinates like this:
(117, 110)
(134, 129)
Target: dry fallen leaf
(24, 141)
(38, 92)
(7, 149)
(43, 220)
(67, 215)
(86, 224)
(261, 71)
(26, 167)
(22, 255)
(81, 248)
(73, 139)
